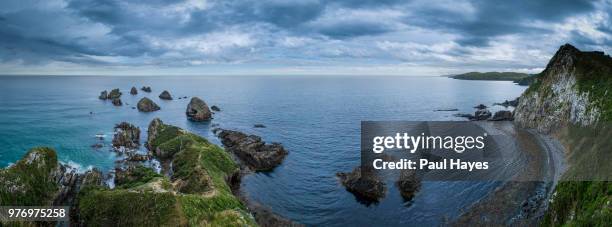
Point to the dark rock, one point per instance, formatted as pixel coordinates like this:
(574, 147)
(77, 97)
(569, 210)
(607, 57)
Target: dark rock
(507, 103)
(252, 151)
(184, 97)
(503, 115)
(103, 95)
(117, 102)
(259, 126)
(197, 110)
(165, 95)
(468, 116)
(134, 91)
(482, 114)
(480, 106)
(147, 105)
(114, 94)
(447, 110)
(126, 135)
(133, 107)
(365, 184)
(97, 145)
(146, 88)
(215, 108)
(408, 184)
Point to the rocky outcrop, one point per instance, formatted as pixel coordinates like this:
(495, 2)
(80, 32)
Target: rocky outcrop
(133, 91)
(117, 102)
(570, 90)
(146, 89)
(480, 106)
(165, 95)
(126, 135)
(103, 95)
(147, 105)
(363, 183)
(114, 94)
(252, 151)
(503, 115)
(215, 108)
(259, 126)
(508, 103)
(197, 110)
(482, 114)
(408, 184)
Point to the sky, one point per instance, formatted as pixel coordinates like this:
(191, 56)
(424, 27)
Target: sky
(301, 37)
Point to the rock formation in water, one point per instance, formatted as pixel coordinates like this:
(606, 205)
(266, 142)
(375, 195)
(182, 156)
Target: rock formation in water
(408, 184)
(480, 106)
(103, 95)
(364, 183)
(114, 94)
(252, 151)
(165, 95)
(133, 91)
(197, 110)
(215, 108)
(117, 102)
(508, 103)
(147, 105)
(146, 89)
(126, 135)
(481, 114)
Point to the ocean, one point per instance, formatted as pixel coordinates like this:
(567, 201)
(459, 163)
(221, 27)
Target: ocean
(316, 118)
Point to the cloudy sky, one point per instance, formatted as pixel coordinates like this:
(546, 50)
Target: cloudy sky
(353, 37)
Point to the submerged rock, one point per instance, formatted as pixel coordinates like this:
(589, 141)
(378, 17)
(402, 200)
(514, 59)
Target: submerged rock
(103, 95)
(197, 110)
(165, 95)
(480, 106)
(117, 102)
(363, 183)
(408, 184)
(146, 88)
(503, 115)
(215, 108)
(134, 91)
(259, 126)
(114, 94)
(147, 105)
(252, 151)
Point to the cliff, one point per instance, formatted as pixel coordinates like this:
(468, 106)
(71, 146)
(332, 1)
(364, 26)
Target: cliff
(572, 89)
(572, 100)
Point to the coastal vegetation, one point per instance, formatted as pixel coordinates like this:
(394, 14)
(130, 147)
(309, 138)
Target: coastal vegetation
(572, 100)
(501, 76)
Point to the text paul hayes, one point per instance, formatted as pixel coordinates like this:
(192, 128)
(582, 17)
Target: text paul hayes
(404, 141)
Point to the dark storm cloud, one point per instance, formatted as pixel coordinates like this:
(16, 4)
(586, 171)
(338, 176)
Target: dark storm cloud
(493, 18)
(87, 31)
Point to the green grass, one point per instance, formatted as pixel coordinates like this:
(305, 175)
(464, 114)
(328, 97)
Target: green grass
(120, 207)
(137, 176)
(30, 184)
(501, 76)
(580, 203)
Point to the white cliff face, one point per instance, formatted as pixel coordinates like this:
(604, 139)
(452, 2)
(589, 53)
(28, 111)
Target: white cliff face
(556, 101)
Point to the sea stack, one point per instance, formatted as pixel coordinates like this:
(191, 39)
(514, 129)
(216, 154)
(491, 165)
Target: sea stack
(147, 105)
(114, 94)
(165, 95)
(197, 110)
(103, 95)
(126, 135)
(363, 183)
(134, 91)
(117, 102)
(146, 88)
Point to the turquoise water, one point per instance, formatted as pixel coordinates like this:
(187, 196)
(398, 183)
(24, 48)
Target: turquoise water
(317, 118)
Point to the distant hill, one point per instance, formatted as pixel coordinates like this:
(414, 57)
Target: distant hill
(503, 76)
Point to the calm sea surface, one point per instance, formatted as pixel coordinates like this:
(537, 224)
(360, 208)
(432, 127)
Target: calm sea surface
(317, 118)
